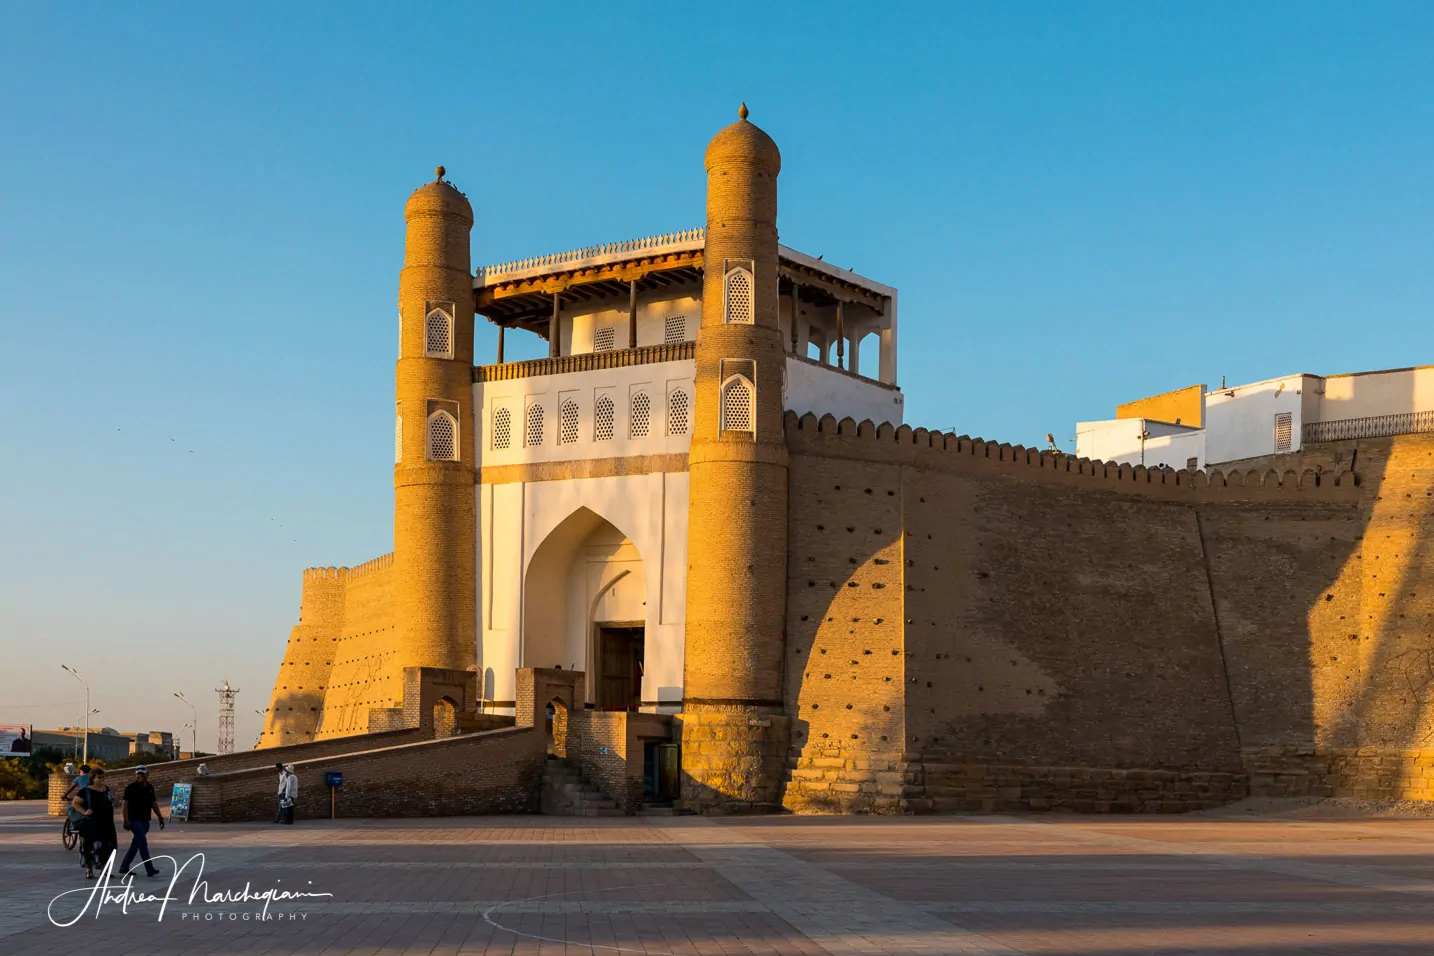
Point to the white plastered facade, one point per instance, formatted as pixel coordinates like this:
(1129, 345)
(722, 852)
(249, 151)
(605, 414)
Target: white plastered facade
(558, 554)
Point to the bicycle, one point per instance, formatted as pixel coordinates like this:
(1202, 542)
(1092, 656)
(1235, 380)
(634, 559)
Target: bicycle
(70, 835)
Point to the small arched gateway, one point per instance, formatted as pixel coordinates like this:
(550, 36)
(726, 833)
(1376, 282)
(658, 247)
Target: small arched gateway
(585, 607)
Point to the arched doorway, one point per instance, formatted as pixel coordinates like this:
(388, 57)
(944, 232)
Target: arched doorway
(585, 607)
(445, 717)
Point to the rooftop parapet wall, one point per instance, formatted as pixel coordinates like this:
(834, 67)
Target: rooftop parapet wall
(348, 573)
(922, 448)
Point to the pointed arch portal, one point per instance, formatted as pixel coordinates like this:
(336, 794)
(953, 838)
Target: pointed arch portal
(585, 607)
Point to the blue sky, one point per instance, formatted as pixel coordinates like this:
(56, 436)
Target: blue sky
(201, 231)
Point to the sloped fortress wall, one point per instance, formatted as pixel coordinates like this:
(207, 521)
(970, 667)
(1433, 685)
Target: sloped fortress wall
(341, 658)
(985, 627)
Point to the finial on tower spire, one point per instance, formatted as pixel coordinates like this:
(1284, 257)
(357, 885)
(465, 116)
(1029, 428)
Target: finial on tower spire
(439, 170)
(742, 111)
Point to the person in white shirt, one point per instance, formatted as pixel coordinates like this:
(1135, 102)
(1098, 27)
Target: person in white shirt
(288, 795)
(283, 786)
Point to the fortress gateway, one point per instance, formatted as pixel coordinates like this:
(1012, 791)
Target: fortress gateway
(700, 534)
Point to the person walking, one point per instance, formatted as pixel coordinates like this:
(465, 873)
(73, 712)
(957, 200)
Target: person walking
(138, 802)
(283, 788)
(289, 795)
(98, 839)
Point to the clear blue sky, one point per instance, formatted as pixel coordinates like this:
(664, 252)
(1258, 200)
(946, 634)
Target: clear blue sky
(201, 231)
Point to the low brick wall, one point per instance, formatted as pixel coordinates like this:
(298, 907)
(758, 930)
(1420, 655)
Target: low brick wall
(498, 771)
(59, 783)
(1366, 773)
(617, 773)
(164, 775)
(941, 786)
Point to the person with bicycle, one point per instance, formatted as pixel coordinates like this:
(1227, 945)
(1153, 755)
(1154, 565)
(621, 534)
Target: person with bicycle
(98, 839)
(136, 805)
(73, 818)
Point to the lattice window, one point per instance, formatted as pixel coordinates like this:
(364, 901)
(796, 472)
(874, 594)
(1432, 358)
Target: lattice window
(398, 439)
(533, 426)
(502, 428)
(641, 413)
(602, 418)
(739, 412)
(438, 335)
(604, 338)
(1192, 464)
(674, 330)
(1284, 431)
(568, 423)
(442, 437)
(677, 409)
(738, 289)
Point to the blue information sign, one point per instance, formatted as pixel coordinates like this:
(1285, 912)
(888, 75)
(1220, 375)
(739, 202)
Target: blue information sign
(179, 801)
(334, 779)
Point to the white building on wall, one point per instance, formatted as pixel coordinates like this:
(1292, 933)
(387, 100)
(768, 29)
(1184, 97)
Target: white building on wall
(1275, 416)
(583, 492)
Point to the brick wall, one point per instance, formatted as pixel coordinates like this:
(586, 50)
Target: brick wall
(845, 644)
(1057, 625)
(734, 759)
(1335, 689)
(59, 783)
(1365, 773)
(948, 787)
(1064, 626)
(164, 775)
(618, 772)
(499, 771)
(367, 666)
(340, 660)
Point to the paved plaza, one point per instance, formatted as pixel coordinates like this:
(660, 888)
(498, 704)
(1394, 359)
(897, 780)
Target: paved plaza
(810, 885)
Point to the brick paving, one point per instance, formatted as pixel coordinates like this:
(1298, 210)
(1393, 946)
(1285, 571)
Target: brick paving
(778, 885)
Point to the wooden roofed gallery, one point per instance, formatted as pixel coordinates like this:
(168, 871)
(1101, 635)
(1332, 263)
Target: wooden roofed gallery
(837, 307)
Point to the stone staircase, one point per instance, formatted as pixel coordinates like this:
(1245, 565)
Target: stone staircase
(567, 794)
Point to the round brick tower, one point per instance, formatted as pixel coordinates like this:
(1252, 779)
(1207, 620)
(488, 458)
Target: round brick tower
(434, 523)
(734, 732)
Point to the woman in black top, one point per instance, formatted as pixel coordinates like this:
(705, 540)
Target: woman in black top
(98, 840)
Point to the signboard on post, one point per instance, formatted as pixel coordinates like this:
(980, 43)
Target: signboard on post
(335, 780)
(15, 739)
(179, 801)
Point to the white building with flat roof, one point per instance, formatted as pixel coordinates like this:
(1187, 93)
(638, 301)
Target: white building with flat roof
(1275, 416)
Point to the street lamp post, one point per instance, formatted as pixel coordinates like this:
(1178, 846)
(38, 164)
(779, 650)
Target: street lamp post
(194, 731)
(86, 758)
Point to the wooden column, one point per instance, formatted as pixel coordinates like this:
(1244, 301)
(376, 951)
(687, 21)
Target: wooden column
(500, 344)
(632, 313)
(796, 312)
(555, 327)
(840, 339)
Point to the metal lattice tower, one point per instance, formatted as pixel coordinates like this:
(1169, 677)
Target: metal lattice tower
(226, 717)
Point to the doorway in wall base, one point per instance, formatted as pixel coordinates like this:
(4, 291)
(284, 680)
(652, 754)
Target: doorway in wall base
(618, 684)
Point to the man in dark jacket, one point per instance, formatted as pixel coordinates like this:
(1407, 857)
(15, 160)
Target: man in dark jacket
(139, 802)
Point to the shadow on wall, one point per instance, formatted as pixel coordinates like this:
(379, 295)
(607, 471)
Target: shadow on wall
(844, 649)
(293, 718)
(1334, 698)
(1052, 620)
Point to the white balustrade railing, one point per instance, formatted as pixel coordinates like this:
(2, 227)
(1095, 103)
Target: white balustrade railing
(645, 244)
(1373, 426)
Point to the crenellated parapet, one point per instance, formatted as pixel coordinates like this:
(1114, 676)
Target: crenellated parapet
(922, 448)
